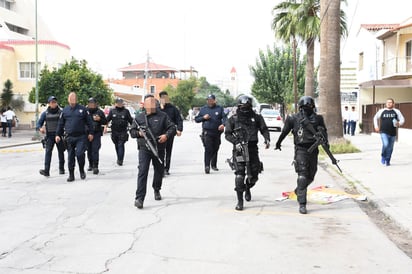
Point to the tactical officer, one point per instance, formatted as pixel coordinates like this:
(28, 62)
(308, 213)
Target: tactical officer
(304, 125)
(242, 131)
(74, 122)
(98, 120)
(152, 128)
(120, 118)
(176, 118)
(51, 117)
(213, 118)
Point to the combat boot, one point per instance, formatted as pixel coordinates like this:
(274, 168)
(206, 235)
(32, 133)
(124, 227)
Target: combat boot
(302, 209)
(82, 174)
(71, 175)
(248, 195)
(96, 168)
(44, 172)
(239, 205)
(90, 168)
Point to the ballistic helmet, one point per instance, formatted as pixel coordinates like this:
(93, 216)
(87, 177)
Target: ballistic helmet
(306, 102)
(244, 100)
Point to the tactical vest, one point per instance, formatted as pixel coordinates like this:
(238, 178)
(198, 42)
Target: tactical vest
(51, 121)
(119, 119)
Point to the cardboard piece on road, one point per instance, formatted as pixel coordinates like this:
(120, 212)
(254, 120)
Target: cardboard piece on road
(323, 195)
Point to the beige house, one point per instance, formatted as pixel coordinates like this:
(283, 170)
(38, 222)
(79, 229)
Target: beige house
(18, 52)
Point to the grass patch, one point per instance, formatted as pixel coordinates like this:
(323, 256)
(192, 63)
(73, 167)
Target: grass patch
(340, 146)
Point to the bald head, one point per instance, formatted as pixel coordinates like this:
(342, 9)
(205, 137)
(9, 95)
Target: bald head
(72, 99)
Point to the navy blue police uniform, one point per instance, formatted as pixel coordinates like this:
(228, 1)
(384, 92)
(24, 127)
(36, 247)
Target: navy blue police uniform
(74, 124)
(94, 146)
(210, 132)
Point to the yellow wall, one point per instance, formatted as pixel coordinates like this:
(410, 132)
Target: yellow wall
(49, 52)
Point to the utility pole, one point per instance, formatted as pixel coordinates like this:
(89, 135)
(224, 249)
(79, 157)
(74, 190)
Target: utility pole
(146, 74)
(36, 72)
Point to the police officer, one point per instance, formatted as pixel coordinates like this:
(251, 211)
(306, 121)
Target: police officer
(98, 121)
(157, 127)
(176, 118)
(74, 122)
(213, 118)
(120, 118)
(51, 117)
(242, 130)
(303, 125)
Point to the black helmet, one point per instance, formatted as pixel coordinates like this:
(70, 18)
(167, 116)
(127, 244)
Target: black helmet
(306, 102)
(244, 100)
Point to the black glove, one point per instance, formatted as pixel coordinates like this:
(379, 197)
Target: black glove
(267, 144)
(277, 146)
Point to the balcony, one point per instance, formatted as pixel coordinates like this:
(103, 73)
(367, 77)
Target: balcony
(397, 68)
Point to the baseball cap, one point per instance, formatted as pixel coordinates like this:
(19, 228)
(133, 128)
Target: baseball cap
(211, 96)
(51, 98)
(119, 100)
(92, 100)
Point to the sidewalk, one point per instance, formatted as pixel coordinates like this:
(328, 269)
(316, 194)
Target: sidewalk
(388, 187)
(19, 137)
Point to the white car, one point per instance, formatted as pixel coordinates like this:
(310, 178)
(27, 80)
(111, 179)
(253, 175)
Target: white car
(272, 119)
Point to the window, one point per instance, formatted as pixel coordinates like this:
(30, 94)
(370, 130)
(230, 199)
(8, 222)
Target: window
(360, 62)
(6, 4)
(408, 48)
(152, 89)
(27, 70)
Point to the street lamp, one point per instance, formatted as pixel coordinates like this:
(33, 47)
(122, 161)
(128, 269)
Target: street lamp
(36, 73)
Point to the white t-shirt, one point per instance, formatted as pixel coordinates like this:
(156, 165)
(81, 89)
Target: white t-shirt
(9, 114)
(3, 118)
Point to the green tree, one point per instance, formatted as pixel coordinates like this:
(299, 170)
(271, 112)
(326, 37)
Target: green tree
(301, 20)
(72, 76)
(7, 94)
(182, 96)
(273, 75)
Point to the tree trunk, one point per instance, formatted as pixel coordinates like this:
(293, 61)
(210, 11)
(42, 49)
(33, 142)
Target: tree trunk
(329, 74)
(310, 67)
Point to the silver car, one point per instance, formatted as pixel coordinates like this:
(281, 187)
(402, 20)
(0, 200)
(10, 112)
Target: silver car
(272, 119)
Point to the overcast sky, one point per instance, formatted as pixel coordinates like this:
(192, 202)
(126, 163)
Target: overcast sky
(212, 36)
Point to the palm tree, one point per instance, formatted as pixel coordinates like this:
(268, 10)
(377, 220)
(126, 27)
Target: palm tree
(329, 75)
(305, 17)
(285, 26)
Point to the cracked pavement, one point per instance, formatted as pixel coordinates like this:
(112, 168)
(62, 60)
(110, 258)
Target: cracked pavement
(91, 226)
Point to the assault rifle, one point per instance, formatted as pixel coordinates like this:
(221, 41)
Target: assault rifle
(152, 148)
(321, 139)
(241, 148)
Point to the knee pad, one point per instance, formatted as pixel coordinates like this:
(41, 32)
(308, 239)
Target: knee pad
(240, 183)
(250, 183)
(303, 182)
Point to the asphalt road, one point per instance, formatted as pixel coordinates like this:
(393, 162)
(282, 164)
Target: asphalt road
(91, 226)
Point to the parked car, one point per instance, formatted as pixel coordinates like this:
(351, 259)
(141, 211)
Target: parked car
(262, 106)
(272, 119)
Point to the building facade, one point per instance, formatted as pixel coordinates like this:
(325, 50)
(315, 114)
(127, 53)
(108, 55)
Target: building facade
(18, 52)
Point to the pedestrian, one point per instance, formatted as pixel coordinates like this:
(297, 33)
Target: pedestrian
(345, 118)
(213, 118)
(73, 122)
(190, 113)
(99, 121)
(304, 125)
(3, 122)
(51, 117)
(353, 119)
(242, 130)
(176, 118)
(386, 121)
(121, 119)
(10, 115)
(155, 129)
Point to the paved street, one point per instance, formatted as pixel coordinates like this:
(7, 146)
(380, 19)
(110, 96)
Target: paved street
(91, 226)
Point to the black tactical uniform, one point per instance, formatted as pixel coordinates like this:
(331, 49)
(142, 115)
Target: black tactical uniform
(305, 163)
(98, 121)
(242, 131)
(120, 118)
(155, 125)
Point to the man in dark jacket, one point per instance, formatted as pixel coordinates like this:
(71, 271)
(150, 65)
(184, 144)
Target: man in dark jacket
(152, 128)
(213, 118)
(74, 120)
(98, 120)
(304, 125)
(120, 118)
(51, 117)
(176, 118)
(242, 131)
